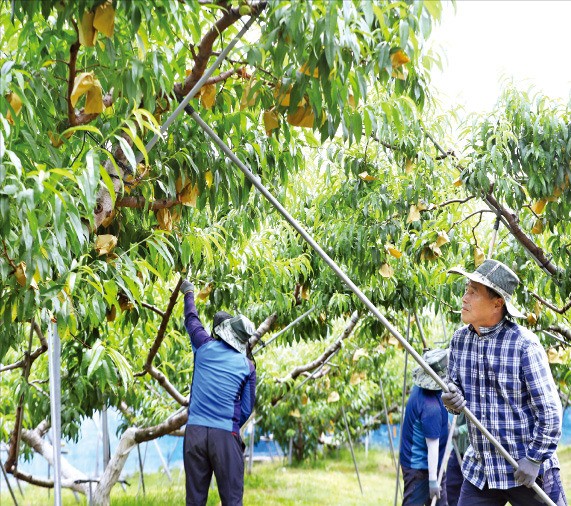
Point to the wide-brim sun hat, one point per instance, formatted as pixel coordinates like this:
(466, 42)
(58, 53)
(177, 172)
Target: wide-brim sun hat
(497, 276)
(236, 332)
(437, 359)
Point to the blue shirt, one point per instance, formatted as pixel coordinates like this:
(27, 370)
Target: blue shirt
(505, 378)
(223, 390)
(425, 417)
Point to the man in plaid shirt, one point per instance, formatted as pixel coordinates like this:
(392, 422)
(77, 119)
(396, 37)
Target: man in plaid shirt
(499, 370)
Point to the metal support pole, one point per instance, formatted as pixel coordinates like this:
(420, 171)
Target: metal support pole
(141, 469)
(251, 446)
(8, 484)
(424, 343)
(355, 289)
(494, 236)
(351, 448)
(292, 324)
(163, 462)
(105, 442)
(397, 486)
(54, 359)
(446, 456)
(389, 427)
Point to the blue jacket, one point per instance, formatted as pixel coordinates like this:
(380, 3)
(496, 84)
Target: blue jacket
(223, 390)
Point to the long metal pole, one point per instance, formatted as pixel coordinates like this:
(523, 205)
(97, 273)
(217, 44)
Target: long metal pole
(8, 484)
(494, 236)
(389, 429)
(292, 324)
(196, 87)
(397, 486)
(447, 452)
(54, 364)
(351, 448)
(356, 290)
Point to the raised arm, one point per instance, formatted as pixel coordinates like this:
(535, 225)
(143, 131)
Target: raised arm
(194, 327)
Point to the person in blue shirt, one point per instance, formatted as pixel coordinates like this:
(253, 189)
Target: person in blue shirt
(222, 396)
(500, 372)
(424, 435)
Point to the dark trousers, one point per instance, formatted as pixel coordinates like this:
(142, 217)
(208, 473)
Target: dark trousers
(550, 482)
(208, 450)
(454, 480)
(416, 492)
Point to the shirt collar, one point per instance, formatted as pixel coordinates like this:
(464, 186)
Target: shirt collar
(489, 331)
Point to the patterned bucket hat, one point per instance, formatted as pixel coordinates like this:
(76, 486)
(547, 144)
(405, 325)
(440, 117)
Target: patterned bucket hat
(438, 360)
(497, 276)
(236, 332)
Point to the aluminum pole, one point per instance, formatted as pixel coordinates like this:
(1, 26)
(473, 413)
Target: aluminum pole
(54, 363)
(397, 486)
(196, 87)
(351, 448)
(447, 452)
(292, 324)
(355, 289)
(389, 430)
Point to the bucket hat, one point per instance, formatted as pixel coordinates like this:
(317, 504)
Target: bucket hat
(437, 359)
(236, 332)
(497, 276)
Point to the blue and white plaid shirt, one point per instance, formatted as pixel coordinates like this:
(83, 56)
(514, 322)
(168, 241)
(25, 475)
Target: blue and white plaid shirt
(505, 378)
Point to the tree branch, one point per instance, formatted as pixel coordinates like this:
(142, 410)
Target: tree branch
(511, 220)
(551, 306)
(154, 309)
(262, 329)
(73, 51)
(31, 357)
(565, 332)
(163, 326)
(330, 350)
(34, 439)
(167, 385)
(229, 17)
(141, 202)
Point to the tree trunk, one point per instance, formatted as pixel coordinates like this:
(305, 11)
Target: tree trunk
(101, 496)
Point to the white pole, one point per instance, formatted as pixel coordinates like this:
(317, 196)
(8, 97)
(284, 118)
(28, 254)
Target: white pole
(54, 359)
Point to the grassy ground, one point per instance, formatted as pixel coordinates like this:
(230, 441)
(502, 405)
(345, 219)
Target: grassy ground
(330, 481)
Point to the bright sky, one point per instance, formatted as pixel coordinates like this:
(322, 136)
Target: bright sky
(487, 42)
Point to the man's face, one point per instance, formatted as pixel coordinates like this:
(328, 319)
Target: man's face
(479, 308)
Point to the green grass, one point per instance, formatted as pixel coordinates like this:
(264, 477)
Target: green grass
(328, 481)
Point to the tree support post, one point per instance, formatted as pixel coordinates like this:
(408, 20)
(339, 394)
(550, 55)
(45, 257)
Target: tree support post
(8, 484)
(351, 448)
(54, 358)
(355, 289)
(446, 456)
(397, 485)
(389, 428)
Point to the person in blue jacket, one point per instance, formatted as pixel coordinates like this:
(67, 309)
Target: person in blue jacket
(424, 435)
(222, 396)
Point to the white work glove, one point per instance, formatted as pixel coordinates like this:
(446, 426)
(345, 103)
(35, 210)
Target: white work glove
(527, 472)
(434, 489)
(186, 286)
(453, 399)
